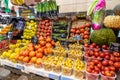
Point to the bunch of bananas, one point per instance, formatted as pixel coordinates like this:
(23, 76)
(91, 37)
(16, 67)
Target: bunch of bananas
(17, 2)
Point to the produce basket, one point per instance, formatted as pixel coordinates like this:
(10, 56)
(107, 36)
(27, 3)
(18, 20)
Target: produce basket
(47, 66)
(66, 71)
(75, 46)
(78, 74)
(56, 64)
(88, 59)
(67, 67)
(75, 56)
(58, 53)
(56, 68)
(108, 78)
(91, 76)
(47, 63)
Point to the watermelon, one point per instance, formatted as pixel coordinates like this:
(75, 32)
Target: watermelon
(103, 36)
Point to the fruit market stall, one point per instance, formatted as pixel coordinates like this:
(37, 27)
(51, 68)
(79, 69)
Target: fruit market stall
(67, 46)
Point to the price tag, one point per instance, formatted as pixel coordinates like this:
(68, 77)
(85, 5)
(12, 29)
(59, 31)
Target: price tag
(20, 67)
(119, 34)
(34, 40)
(77, 38)
(115, 47)
(55, 77)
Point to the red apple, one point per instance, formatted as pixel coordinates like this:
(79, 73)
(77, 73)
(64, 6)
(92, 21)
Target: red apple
(111, 63)
(96, 54)
(104, 47)
(102, 55)
(105, 63)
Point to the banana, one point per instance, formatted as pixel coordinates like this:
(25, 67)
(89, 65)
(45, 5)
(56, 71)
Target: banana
(21, 1)
(91, 8)
(18, 2)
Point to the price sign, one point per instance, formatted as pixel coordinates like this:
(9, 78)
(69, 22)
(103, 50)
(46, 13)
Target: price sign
(34, 40)
(54, 76)
(115, 47)
(77, 38)
(27, 13)
(20, 67)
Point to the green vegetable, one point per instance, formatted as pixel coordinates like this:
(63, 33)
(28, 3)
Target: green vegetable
(91, 8)
(103, 36)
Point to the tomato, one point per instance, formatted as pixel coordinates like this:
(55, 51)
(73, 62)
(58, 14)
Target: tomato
(82, 30)
(26, 59)
(41, 50)
(77, 32)
(38, 61)
(42, 43)
(48, 45)
(39, 55)
(83, 26)
(72, 30)
(32, 54)
(86, 33)
(48, 39)
(53, 43)
(87, 24)
(33, 59)
(86, 36)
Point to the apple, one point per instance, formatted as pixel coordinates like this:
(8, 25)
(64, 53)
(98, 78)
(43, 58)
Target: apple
(105, 63)
(94, 44)
(96, 54)
(116, 54)
(107, 69)
(112, 68)
(111, 63)
(102, 55)
(104, 47)
(117, 64)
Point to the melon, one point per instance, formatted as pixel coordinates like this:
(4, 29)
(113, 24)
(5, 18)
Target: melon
(103, 36)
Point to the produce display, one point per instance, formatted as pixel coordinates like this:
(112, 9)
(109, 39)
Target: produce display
(112, 22)
(79, 69)
(93, 70)
(47, 63)
(83, 31)
(75, 46)
(117, 10)
(30, 29)
(103, 36)
(75, 54)
(14, 50)
(47, 9)
(61, 46)
(60, 51)
(59, 30)
(67, 67)
(44, 28)
(56, 64)
(4, 30)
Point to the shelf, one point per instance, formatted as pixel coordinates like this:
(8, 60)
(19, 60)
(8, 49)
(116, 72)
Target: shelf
(37, 71)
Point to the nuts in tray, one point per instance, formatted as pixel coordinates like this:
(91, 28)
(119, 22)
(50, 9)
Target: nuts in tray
(67, 66)
(60, 51)
(79, 68)
(56, 64)
(75, 54)
(75, 46)
(47, 63)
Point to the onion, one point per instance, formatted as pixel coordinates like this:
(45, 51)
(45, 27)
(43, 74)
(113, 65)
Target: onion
(96, 26)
